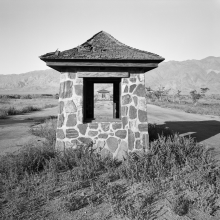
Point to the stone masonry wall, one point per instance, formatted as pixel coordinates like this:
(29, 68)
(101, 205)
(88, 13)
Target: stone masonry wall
(109, 138)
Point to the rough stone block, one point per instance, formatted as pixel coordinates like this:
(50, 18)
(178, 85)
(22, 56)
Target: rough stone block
(133, 80)
(79, 115)
(112, 143)
(122, 151)
(126, 89)
(126, 99)
(132, 112)
(60, 134)
(124, 121)
(60, 121)
(138, 144)
(143, 127)
(61, 105)
(133, 125)
(75, 142)
(70, 107)
(72, 133)
(92, 133)
(66, 89)
(137, 134)
(145, 141)
(60, 145)
(82, 128)
(79, 81)
(140, 91)
(131, 139)
(142, 104)
(132, 87)
(100, 144)
(93, 125)
(125, 81)
(85, 140)
(78, 89)
(63, 76)
(106, 153)
(71, 120)
(103, 135)
(142, 116)
(124, 111)
(105, 126)
(121, 134)
(141, 77)
(116, 126)
(72, 75)
(68, 144)
(135, 99)
(78, 101)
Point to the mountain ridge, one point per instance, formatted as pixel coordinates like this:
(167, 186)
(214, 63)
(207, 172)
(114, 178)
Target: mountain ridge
(186, 75)
(176, 75)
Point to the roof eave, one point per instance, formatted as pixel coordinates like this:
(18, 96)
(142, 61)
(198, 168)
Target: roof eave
(159, 60)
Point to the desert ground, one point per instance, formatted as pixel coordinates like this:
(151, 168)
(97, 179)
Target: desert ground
(14, 131)
(66, 201)
(103, 109)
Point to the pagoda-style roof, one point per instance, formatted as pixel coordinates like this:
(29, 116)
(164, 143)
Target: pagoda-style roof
(103, 91)
(102, 46)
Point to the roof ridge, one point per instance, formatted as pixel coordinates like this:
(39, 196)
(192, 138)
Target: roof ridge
(102, 45)
(122, 44)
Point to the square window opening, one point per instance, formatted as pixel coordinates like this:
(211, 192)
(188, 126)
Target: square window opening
(101, 99)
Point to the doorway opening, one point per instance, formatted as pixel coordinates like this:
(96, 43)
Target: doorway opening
(101, 99)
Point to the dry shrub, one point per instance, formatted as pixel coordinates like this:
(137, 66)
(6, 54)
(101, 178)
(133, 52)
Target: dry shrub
(46, 130)
(155, 131)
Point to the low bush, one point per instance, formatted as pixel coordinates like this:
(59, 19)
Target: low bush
(49, 106)
(28, 109)
(31, 159)
(3, 114)
(155, 131)
(200, 108)
(12, 111)
(26, 96)
(46, 130)
(181, 205)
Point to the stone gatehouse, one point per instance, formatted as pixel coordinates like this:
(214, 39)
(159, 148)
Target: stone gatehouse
(102, 59)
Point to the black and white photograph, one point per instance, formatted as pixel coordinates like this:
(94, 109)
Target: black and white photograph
(110, 110)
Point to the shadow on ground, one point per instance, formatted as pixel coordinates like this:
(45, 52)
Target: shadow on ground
(200, 130)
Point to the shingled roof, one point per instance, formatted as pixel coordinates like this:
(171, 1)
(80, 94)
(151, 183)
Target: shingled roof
(102, 46)
(103, 91)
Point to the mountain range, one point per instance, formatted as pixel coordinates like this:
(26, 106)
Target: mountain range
(186, 75)
(176, 75)
(34, 82)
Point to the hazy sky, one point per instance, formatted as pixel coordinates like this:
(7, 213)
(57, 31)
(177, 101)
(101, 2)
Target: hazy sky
(174, 29)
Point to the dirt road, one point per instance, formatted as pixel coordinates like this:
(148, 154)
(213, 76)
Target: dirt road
(14, 131)
(206, 129)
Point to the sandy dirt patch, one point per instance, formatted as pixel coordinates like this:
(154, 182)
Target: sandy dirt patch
(14, 131)
(103, 109)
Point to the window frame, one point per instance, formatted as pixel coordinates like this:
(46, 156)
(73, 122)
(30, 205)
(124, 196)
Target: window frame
(88, 98)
